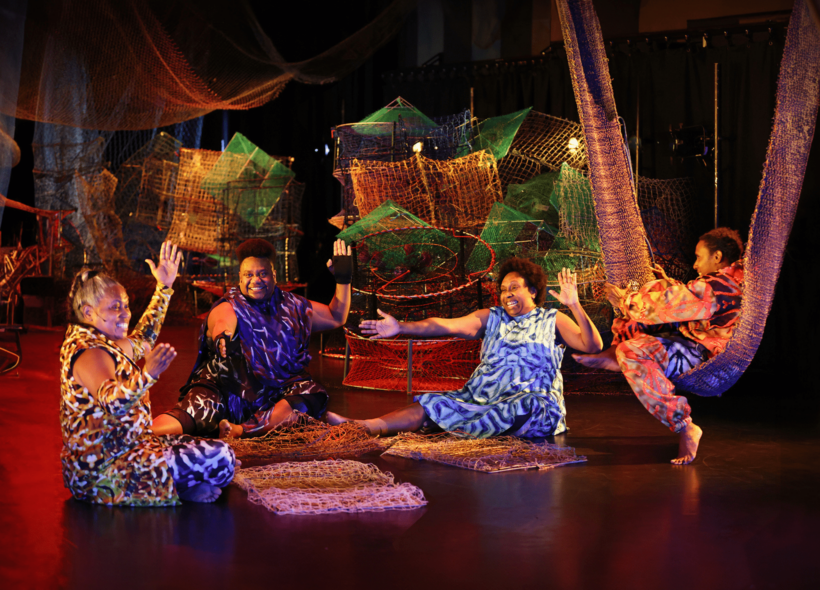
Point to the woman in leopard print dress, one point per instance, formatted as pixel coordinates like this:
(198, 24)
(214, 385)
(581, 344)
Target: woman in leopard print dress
(110, 456)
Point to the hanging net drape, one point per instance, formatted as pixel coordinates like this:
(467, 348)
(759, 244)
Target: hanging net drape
(798, 96)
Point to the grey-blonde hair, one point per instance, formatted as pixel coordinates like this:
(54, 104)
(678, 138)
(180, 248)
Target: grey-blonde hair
(88, 288)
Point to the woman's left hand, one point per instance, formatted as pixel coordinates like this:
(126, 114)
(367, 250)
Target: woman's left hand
(568, 283)
(169, 258)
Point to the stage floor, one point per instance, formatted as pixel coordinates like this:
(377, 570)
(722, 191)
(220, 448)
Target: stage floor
(746, 514)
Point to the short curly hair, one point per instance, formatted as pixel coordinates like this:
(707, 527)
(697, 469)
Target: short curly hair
(256, 248)
(532, 273)
(726, 240)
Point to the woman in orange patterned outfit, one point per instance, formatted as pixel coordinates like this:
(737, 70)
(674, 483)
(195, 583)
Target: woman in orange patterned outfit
(670, 327)
(110, 456)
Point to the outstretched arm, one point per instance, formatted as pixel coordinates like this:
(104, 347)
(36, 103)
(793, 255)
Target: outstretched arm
(470, 326)
(333, 315)
(581, 334)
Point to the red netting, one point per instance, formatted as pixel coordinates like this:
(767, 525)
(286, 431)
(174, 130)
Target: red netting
(437, 365)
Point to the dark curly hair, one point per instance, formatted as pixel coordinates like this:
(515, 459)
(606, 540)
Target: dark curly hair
(256, 248)
(726, 240)
(532, 273)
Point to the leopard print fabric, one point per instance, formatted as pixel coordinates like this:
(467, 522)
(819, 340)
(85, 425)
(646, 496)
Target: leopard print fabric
(110, 456)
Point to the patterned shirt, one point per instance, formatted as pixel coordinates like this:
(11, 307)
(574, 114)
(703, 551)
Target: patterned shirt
(110, 456)
(705, 310)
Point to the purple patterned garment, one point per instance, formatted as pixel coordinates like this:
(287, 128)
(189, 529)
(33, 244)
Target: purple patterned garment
(275, 335)
(267, 356)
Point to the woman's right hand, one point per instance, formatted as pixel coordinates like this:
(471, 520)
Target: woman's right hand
(159, 359)
(387, 327)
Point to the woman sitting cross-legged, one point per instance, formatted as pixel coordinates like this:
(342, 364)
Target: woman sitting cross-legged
(110, 455)
(517, 388)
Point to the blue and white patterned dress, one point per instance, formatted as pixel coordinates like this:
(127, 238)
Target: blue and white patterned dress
(519, 375)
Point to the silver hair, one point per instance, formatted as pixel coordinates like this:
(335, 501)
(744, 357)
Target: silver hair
(88, 288)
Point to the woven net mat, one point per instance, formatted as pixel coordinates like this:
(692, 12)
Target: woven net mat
(327, 487)
(619, 222)
(490, 455)
(307, 438)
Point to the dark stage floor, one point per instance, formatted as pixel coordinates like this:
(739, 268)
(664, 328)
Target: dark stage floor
(746, 514)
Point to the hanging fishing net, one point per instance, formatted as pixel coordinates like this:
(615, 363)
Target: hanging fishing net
(326, 487)
(489, 455)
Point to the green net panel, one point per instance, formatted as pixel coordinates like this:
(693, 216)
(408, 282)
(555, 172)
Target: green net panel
(509, 233)
(388, 215)
(496, 134)
(537, 199)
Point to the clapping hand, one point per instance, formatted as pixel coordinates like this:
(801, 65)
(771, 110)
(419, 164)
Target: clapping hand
(169, 258)
(387, 327)
(159, 359)
(568, 283)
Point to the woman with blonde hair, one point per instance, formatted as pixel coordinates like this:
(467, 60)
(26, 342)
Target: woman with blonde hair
(110, 455)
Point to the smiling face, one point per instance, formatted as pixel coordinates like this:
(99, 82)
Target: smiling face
(516, 296)
(707, 262)
(256, 278)
(111, 315)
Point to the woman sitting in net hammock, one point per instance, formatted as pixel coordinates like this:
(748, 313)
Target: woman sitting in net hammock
(669, 328)
(110, 455)
(517, 388)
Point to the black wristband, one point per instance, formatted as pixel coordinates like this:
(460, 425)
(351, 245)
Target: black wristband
(343, 269)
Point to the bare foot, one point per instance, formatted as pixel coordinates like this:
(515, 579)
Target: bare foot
(203, 492)
(689, 441)
(375, 427)
(228, 430)
(602, 360)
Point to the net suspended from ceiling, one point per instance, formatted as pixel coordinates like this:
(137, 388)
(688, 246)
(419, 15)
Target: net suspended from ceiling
(143, 64)
(798, 98)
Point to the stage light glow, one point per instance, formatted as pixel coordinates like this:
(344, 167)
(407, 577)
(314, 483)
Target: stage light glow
(573, 145)
(417, 147)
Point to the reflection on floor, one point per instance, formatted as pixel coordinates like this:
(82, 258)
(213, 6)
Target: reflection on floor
(744, 515)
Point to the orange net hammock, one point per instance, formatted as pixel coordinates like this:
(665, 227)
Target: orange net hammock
(142, 64)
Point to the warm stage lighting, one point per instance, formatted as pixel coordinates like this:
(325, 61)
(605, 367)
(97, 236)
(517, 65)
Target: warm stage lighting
(573, 145)
(417, 147)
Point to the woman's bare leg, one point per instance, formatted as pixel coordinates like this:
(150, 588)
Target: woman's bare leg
(166, 424)
(407, 419)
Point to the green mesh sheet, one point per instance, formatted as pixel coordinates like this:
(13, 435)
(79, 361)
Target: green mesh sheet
(248, 180)
(536, 199)
(497, 133)
(381, 121)
(502, 230)
(388, 215)
(578, 225)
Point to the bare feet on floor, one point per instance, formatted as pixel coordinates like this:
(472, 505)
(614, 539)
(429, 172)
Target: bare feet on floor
(603, 360)
(689, 441)
(228, 430)
(375, 427)
(203, 492)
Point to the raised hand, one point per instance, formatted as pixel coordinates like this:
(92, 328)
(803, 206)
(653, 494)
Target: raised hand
(660, 273)
(614, 294)
(387, 327)
(568, 283)
(169, 258)
(159, 359)
(339, 249)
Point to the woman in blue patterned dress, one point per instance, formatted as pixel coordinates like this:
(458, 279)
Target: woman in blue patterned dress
(517, 389)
